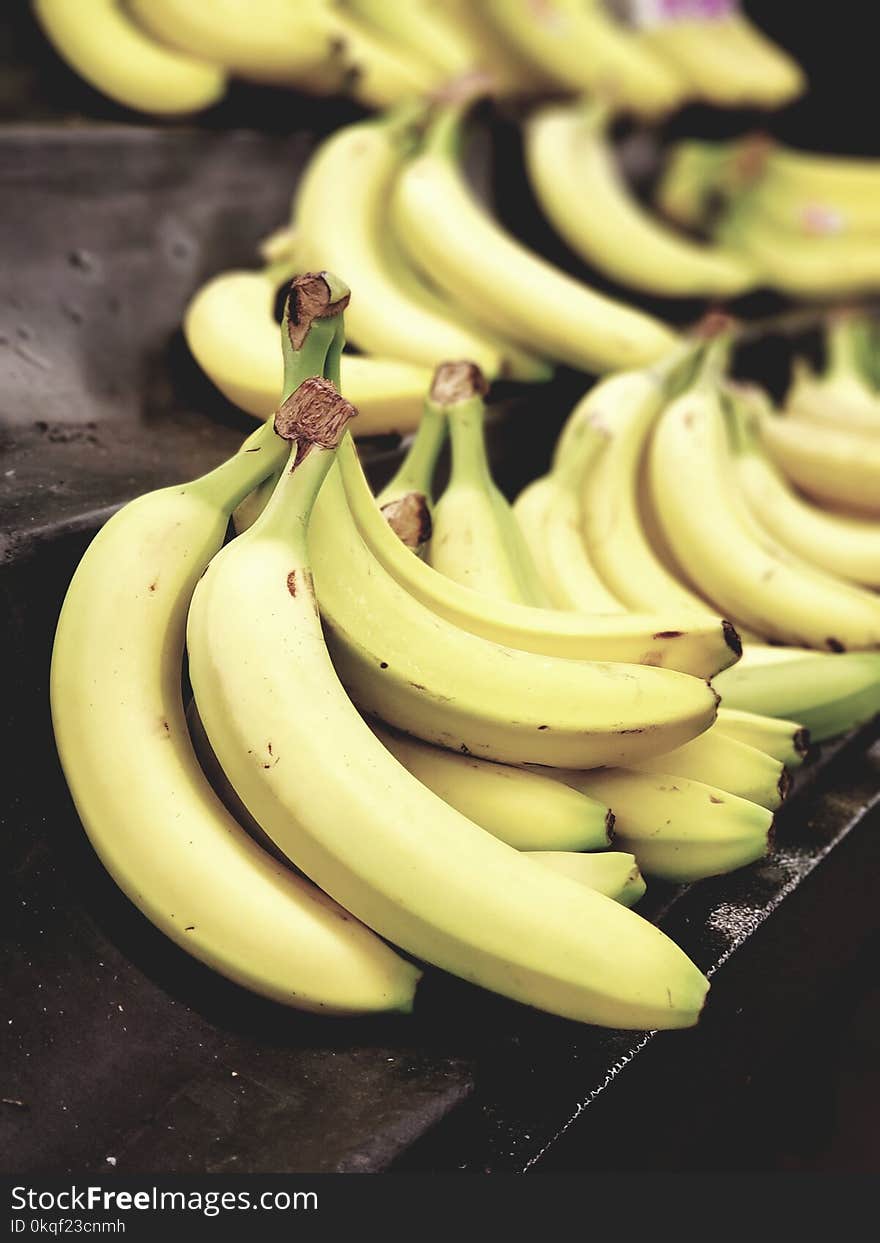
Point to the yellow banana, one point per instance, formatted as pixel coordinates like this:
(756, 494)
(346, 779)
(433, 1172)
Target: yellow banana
(786, 741)
(475, 539)
(114, 55)
(230, 329)
(450, 237)
(341, 207)
(265, 40)
(148, 809)
(737, 565)
(580, 47)
(721, 761)
(835, 466)
(340, 806)
(574, 174)
(612, 872)
(700, 644)
(678, 829)
(524, 809)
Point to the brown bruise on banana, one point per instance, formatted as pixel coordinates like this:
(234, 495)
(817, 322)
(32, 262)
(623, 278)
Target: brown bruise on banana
(310, 298)
(410, 519)
(457, 381)
(313, 414)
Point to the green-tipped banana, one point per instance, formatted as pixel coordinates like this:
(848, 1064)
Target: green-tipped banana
(329, 794)
(524, 809)
(475, 539)
(452, 239)
(786, 741)
(147, 807)
(573, 171)
(828, 695)
(612, 872)
(678, 829)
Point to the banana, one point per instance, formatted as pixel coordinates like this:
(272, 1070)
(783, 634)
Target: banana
(333, 799)
(699, 644)
(150, 813)
(450, 237)
(524, 809)
(508, 72)
(726, 60)
(678, 829)
(833, 465)
(843, 394)
(625, 408)
(403, 663)
(833, 266)
(786, 741)
(410, 491)
(714, 538)
(720, 761)
(264, 40)
(475, 540)
(611, 872)
(422, 30)
(105, 47)
(828, 695)
(575, 178)
(340, 208)
(846, 547)
(579, 47)
(231, 332)
(549, 514)
(693, 173)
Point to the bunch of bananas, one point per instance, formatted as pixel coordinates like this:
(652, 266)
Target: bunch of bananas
(809, 223)
(175, 57)
(427, 766)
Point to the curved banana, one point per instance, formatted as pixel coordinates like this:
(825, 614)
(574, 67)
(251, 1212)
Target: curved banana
(406, 665)
(151, 815)
(230, 329)
(827, 694)
(450, 237)
(508, 72)
(625, 408)
(475, 539)
(579, 46)
(699, 644)
(726, 60)
(612, 872)
(265, 40)
(524, 809)
(574, 174)
(786, 741)
(329, 794)
(718, 760)
(834, 465)
(113, 54)
(678, 829)
(846, 547)
(737, 565)
(422, 30)
(833, 266)
(341, 207)
(549, 514)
